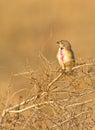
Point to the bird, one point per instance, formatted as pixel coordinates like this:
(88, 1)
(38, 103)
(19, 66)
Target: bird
(65, 55)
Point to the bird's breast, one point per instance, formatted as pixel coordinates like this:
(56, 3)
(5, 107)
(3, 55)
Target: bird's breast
(63, 55)
(60, 55)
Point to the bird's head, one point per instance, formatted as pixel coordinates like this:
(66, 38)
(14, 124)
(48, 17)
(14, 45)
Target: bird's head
(64, 44)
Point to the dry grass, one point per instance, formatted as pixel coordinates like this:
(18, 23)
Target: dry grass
(56, 100)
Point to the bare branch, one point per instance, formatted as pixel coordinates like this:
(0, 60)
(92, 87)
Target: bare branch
(58, 77)
(81, 103)
(29, 107)
(23, 73)
(67, 120)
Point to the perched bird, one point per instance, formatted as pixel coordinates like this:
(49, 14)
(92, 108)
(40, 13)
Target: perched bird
(65, 55)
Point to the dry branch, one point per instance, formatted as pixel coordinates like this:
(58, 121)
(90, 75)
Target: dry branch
(17, 105)
(55, 101)
(31, 106)
(81, 103)
(20, 104)
(48, 86)
(58, 77)
(67, 120)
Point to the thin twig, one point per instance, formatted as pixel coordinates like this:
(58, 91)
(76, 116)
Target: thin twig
(67, 120)
(23, 73)
(58, 77)
(29, 107)
(23, 128)
(18, 91)
(17, 105)
(81, 103)
(20, 104)
(79, 66)
(54, 80)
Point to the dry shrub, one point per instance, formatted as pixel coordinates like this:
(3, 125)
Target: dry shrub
(56, 101)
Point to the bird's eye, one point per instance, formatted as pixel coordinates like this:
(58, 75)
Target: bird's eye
(57, 42)
(62, 43)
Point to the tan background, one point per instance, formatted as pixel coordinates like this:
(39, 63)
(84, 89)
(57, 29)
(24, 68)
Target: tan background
(30, 26)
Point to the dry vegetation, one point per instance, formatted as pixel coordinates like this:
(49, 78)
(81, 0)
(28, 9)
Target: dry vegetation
(47, 98)
(56, 100)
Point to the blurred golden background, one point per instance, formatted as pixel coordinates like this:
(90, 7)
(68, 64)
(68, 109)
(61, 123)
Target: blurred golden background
(28, 27)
